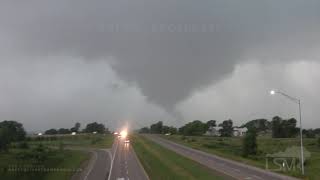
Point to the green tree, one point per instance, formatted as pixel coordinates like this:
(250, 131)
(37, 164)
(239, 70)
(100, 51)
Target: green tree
(15, 130)
(64, 131)
(250, 146)
(144, 130)
(290, 128)
(317, 131)
(173, 130)
(76, 127)
(276, 127)
(284, 128)
(261, 125)
(4, 138)
(95, 127)
(227, 128)
(10, 131)
(194, 128)
(156, 128)
(309, 133)
(211, 123)
(51, 132)
(165, 129)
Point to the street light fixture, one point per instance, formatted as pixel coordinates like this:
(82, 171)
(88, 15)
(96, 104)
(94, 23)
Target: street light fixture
(272, 92)
(297, 101)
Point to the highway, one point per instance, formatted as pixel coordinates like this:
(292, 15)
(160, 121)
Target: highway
(125, 165)
(230, 168)
(98, 166)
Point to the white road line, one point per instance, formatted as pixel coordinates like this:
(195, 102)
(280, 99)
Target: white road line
(110, 154)
(91, 167)
(115, 153)
(258, 177)
(236, 169)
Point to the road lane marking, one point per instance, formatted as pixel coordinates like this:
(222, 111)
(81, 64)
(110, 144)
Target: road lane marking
(258, 177)
(91, 167)
(176, 147)
(115, 153)
(235, 169)
(134, 156)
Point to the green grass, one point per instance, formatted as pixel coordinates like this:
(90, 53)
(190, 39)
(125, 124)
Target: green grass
(68, 161)
(231, 148)
(82, 140)
(161, 163)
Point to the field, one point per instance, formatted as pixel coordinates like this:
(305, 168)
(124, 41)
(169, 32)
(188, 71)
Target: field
(81, 140)
(15, 166)
(49, 157)
(161, 163)
(231, 148)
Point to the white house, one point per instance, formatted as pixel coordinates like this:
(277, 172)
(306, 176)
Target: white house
(239, 131)
(213, 131)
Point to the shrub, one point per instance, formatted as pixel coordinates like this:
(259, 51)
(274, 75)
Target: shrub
(250, 145)
(23, 145)
(210, 146)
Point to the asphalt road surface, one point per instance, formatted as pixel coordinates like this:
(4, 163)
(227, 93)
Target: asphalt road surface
(125, 164)
(98, 167)
(230, 168)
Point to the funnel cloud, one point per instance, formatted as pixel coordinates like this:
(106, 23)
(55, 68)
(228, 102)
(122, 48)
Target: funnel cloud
(163, 54)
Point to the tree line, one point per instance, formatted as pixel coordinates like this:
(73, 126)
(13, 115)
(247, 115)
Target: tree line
(90, 128)
(12, 131)
(277, 127)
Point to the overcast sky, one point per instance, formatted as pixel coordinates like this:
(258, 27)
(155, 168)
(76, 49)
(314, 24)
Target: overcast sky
(141, 61)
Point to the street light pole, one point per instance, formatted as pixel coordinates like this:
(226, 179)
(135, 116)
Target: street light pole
(298, 101)
(301, 141)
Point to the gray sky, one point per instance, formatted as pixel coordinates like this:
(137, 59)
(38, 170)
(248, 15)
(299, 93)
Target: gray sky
(143, 61)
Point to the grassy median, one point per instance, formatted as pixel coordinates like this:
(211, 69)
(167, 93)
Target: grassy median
(161, 163)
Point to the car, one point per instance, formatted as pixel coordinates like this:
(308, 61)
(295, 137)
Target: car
(127, 141)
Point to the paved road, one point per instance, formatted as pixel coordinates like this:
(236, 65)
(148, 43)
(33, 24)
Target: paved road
(98, 166)
(231, 168)
(125, 164)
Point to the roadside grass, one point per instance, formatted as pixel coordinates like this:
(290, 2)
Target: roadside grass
(161, 163)
(80, 140)
(65, 162)
(231, 148)
(61, 159)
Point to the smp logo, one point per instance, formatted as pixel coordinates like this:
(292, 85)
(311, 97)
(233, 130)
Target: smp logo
(288, 160)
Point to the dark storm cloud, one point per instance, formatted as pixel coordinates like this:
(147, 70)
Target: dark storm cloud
(153, 43)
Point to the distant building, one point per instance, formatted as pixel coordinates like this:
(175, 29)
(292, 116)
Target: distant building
(213, 131)
(238, 132)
